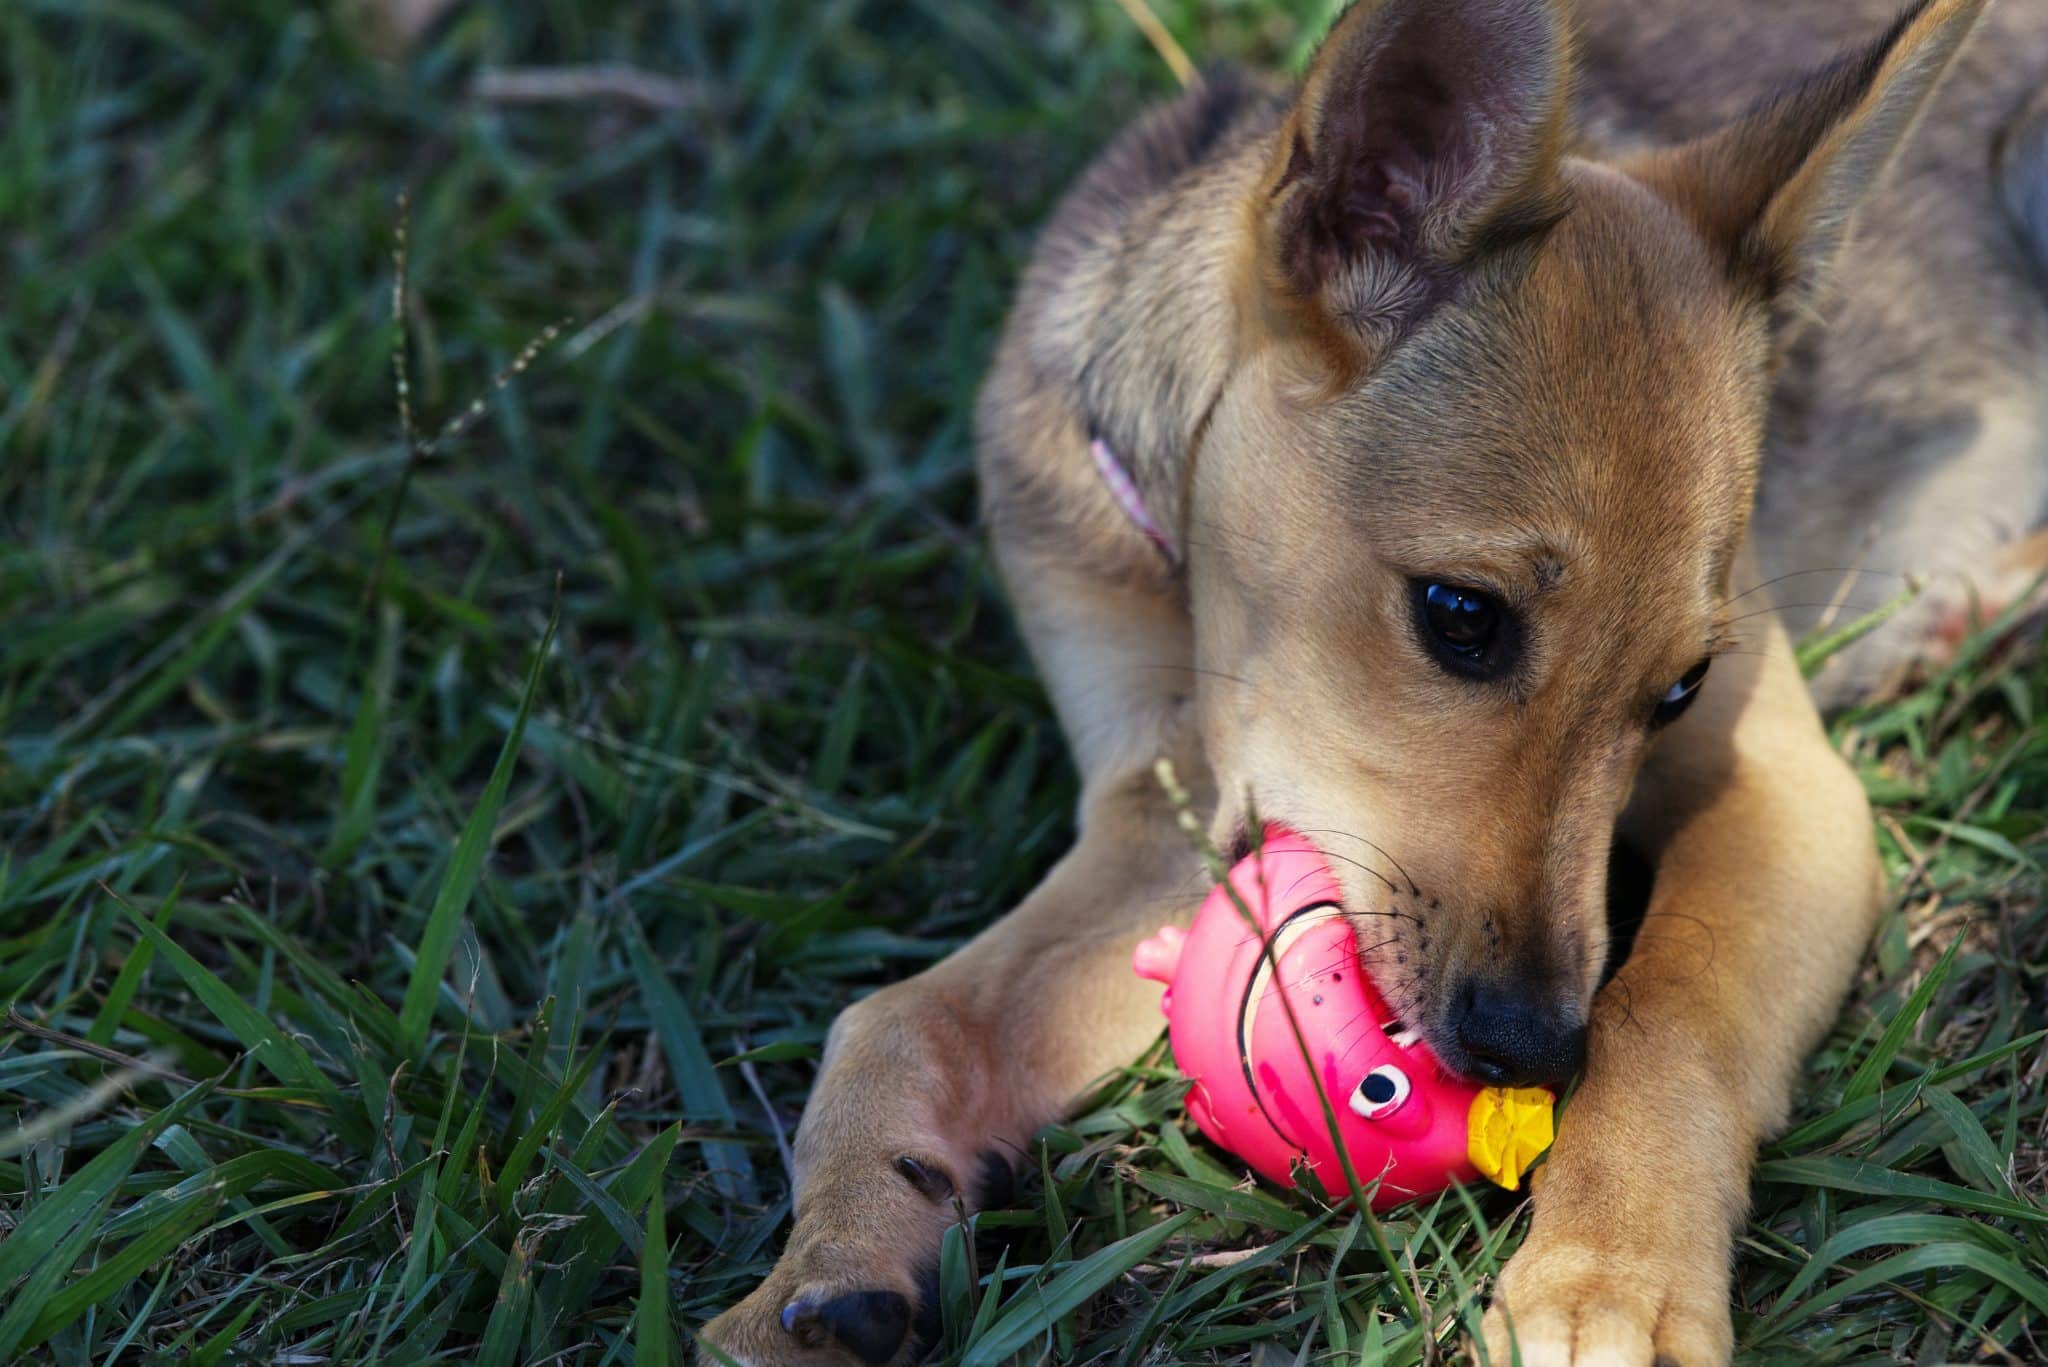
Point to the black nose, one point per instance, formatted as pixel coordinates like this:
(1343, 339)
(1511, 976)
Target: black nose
(1514, 1037)
(869, 1324)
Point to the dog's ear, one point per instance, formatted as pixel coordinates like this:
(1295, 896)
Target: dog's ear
(1425, 131)
(1779, 189)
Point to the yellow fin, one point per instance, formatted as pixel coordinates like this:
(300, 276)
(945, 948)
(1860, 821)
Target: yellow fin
(1507, 1128)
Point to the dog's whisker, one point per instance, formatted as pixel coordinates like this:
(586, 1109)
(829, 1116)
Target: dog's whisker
(1780, 607)
(1346, 859)
(1197, 669)
(1357, 864)
(1844, 570)
(1413, 890)
(1239, 533)
(1364, 1012)
(1337, 909)
(1315, 973)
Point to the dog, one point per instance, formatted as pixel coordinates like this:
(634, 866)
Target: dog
(1413, 456)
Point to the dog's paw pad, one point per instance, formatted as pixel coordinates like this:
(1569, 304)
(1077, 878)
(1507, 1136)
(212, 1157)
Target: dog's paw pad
(869, 1324)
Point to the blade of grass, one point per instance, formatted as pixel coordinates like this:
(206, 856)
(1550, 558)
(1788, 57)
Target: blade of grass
(133, 967)
(275, 1049)
(689, 1062)
(1034, 1311)
(1849, 1174)
(653, 1341)
(506, 1327)
(1869, 1075)
(458, 883)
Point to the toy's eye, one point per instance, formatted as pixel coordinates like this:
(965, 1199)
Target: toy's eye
(1381, 1094)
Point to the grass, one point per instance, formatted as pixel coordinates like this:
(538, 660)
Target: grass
(427, 881)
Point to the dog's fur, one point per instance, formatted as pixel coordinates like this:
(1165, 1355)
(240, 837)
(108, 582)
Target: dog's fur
(1605, 348)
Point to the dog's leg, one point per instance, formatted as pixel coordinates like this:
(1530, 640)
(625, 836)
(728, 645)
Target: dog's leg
(1767, 886)
(931, 1087)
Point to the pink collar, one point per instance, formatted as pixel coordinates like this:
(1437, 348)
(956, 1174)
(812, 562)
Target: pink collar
(1124, 490)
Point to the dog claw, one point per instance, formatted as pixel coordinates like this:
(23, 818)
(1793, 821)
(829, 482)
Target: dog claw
(869, 1324)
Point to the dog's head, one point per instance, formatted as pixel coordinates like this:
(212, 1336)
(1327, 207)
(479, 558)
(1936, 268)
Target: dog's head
(1461, 524)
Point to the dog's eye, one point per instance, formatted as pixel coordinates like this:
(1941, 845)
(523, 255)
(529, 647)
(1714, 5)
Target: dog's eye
(1381, 1093)
(1466, 630)
(1679, 696)
(1464, 620)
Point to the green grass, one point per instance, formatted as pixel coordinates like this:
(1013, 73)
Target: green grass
(423, 898)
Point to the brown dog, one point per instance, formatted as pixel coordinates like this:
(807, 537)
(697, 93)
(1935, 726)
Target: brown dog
(1475, 404)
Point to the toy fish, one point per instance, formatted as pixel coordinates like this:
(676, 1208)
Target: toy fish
(1404, 1119)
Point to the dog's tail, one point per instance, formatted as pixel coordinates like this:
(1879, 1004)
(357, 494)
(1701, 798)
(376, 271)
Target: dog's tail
(2022, 166)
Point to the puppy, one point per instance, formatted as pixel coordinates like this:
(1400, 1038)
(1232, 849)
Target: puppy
(1412, 457)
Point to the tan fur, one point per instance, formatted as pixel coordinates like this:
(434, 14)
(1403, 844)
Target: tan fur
(1567, 378)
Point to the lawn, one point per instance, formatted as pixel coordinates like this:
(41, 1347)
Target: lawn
(436, 831)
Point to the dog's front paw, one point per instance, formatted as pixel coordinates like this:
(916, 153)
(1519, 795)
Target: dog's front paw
(1633, 1304)
(857, 1285)
(814, 1326)
(839, 1296)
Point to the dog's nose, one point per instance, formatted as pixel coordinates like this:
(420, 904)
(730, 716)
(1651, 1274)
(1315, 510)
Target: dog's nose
(868, 1324)
(1512, 1036)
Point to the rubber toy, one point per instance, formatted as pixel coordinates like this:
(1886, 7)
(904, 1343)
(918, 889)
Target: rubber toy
(1403, 1118)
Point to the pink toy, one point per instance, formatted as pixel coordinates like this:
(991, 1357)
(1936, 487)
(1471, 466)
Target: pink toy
(1403, 1118)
